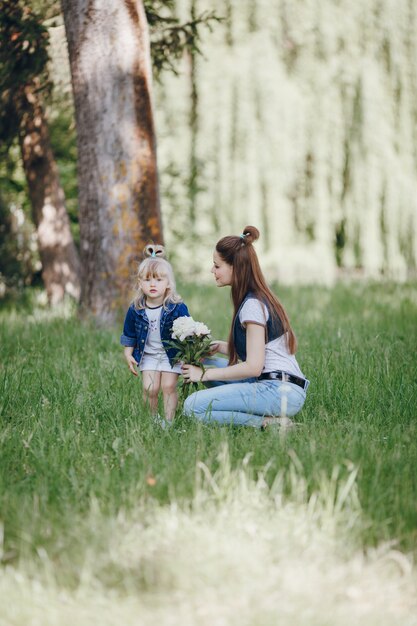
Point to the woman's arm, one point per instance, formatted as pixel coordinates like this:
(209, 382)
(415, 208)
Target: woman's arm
(252, 367)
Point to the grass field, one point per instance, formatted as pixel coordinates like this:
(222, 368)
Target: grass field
(107, 519)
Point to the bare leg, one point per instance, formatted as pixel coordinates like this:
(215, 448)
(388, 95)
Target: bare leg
(151, 382)
(169, 390)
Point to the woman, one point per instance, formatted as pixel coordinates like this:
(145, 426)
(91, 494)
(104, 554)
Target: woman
(267, 380)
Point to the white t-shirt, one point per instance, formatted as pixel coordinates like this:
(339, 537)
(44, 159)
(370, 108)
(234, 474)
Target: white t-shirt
(153, 343)
(154, 356)
(277, 356)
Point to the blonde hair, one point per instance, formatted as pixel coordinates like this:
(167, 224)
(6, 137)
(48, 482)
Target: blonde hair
(155, 266)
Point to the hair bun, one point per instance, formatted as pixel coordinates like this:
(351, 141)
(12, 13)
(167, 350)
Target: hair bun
(251, 234)
(154, 250)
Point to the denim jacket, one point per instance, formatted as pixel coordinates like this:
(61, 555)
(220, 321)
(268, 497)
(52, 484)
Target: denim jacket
(273, 329)
(136, 328)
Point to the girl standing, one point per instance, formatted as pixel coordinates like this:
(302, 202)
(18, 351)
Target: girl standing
(147, 328)
(268, 386)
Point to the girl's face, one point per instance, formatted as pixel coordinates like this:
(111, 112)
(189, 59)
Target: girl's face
(154, 289)
(222, 271)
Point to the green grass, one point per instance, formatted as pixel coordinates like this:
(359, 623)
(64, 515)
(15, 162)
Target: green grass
(74, 430)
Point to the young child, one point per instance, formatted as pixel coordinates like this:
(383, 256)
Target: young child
(148, 324)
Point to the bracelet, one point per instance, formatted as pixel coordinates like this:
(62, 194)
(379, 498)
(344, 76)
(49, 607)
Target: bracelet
(202, 374)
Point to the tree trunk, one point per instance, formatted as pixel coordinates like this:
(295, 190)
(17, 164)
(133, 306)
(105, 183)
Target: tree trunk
(118, 185)
(59, 256)
(193, 182)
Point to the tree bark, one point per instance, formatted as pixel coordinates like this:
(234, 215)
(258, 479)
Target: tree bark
(119, 207)
(58, 254)
(193, 182)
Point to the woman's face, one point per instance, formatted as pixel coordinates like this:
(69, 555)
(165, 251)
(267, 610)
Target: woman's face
(222, 271)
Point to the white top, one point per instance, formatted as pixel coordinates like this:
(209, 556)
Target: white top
(153, 343)
(277, 356)
(154, 356)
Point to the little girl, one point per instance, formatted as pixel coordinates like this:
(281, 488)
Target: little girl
(148, 325)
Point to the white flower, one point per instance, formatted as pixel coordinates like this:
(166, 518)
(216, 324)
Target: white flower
(183, 327)
(201, 329)
(186, 327)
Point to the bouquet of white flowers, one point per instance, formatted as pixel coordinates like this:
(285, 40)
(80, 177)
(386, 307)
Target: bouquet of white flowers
(192, 341)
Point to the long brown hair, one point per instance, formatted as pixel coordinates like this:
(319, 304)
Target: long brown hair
(238, 251)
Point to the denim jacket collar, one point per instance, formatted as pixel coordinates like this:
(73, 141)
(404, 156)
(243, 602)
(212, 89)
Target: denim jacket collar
(165, 309)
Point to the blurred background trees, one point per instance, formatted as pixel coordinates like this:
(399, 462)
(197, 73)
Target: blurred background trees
(23, 80)
(118, 208)
(299, 117)
(307, 128)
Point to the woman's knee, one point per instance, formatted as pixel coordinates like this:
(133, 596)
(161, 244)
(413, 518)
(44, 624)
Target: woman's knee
(193, 407)
(188, 405)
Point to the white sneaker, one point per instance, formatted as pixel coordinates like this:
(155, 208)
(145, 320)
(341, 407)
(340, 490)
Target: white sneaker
(279, 422)
(162, 422)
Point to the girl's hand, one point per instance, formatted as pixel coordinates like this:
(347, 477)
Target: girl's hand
(131, 363)
(214, 347)
(218, 346)
(191, 373)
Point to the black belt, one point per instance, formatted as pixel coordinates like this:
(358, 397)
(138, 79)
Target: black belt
(289, 378)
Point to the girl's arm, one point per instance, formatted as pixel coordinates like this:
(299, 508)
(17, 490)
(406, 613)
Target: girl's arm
(131, 362)
(252, 367)
(128, 337)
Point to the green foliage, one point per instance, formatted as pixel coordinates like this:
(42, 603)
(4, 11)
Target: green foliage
(306, 127)
(11, 266)
(24, 44)
(18, 254)
(170, 37)
(24, 64)
(64, 147)
(23, 57)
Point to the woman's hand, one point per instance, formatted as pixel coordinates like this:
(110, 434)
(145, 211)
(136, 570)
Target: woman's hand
(191, 373)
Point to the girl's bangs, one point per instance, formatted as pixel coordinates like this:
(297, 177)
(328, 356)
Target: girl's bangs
(153, 269)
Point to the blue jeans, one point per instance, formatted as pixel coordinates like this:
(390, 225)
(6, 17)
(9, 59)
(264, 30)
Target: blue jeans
(244, 403)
